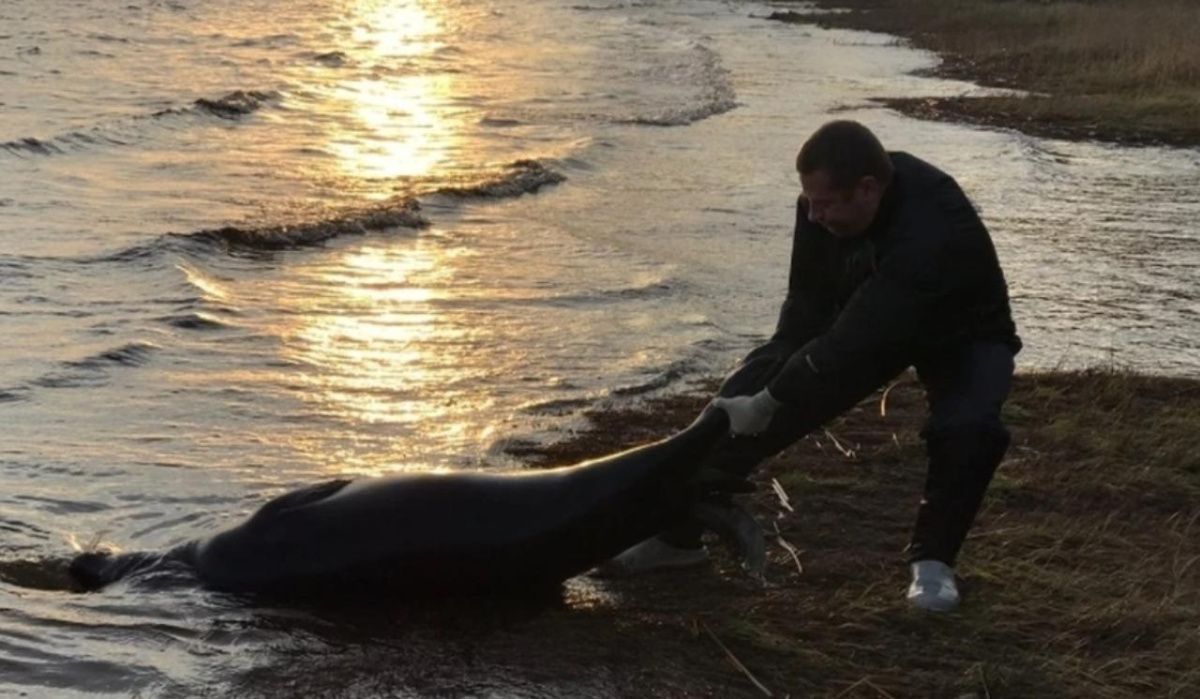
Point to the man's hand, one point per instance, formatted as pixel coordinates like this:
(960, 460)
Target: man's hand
(749, 415)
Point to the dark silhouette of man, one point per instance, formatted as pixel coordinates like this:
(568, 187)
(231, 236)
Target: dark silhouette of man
(891, 268)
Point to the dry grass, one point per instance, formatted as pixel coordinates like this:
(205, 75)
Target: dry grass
(1081, 578)
(1123, 69)
(1143, 46)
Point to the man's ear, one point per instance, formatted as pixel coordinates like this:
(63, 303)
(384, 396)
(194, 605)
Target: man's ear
(869, 185)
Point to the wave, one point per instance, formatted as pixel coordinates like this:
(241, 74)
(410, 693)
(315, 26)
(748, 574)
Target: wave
(91, 370)
(683, 116)
(500, 122)
(656, 289)
(599, 297)
(60, 379)
(12, 395)
(235, 104)
(31, 145)
(401, 214)
(268, 40)
(331, 59)
(195, 321)
(715, 93)
(656, 381)
(517, 178)
(108, 38)
(65, 143)
(610, 6)
(557, 406)
(131, 354)
(13, 269)
(231, 106)
(793, 17)
(512, 180)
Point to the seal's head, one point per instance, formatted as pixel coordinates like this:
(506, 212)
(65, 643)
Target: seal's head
(91, 570)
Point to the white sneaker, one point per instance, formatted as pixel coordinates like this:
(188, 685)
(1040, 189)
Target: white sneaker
(933, 588)
(648, 556)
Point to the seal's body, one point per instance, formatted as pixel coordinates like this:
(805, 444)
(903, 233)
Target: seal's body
(445, 532)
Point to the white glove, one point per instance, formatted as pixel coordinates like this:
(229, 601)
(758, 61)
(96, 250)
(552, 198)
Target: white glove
(749, 415)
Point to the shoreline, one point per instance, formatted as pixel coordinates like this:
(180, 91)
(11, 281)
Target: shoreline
(1067, 101)
(1080, 578)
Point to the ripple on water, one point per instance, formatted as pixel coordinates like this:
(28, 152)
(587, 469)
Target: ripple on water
(195, 321)
(58, 506)
(12, 395)
(91, 371)
(89, 676)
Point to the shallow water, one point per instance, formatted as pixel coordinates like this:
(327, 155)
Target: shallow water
(246, 245)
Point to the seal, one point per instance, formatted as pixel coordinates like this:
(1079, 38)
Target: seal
(445, 533)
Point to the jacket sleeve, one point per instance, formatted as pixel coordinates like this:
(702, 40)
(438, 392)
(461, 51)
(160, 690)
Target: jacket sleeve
(808, 308)
(880, 325)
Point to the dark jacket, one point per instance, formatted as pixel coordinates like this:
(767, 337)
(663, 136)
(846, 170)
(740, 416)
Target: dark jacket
(922, 278)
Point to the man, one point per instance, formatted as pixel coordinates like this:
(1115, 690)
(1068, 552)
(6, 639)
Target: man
(891, 267)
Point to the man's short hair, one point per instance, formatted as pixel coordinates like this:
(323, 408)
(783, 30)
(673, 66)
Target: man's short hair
(848, 152)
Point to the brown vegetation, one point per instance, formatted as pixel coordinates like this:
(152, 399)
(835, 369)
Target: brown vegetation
(1081, 578)
(1125, 70)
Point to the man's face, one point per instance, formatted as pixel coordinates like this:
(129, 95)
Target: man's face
(844, 213)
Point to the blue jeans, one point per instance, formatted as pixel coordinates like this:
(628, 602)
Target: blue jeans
(965, 440)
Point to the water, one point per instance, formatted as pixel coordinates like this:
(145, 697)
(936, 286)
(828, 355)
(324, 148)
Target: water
(247, 245)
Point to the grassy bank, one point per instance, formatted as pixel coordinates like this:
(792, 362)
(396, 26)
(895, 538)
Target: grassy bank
(1119, 70)
(1081, 578)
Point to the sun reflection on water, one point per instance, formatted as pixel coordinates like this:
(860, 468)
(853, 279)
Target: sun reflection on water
(400, 125)
(384, 354)
(396, 27)
(399, 131)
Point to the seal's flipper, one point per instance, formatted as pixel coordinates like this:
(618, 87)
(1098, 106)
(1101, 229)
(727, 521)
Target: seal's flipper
(301, 497)
(739, 531)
